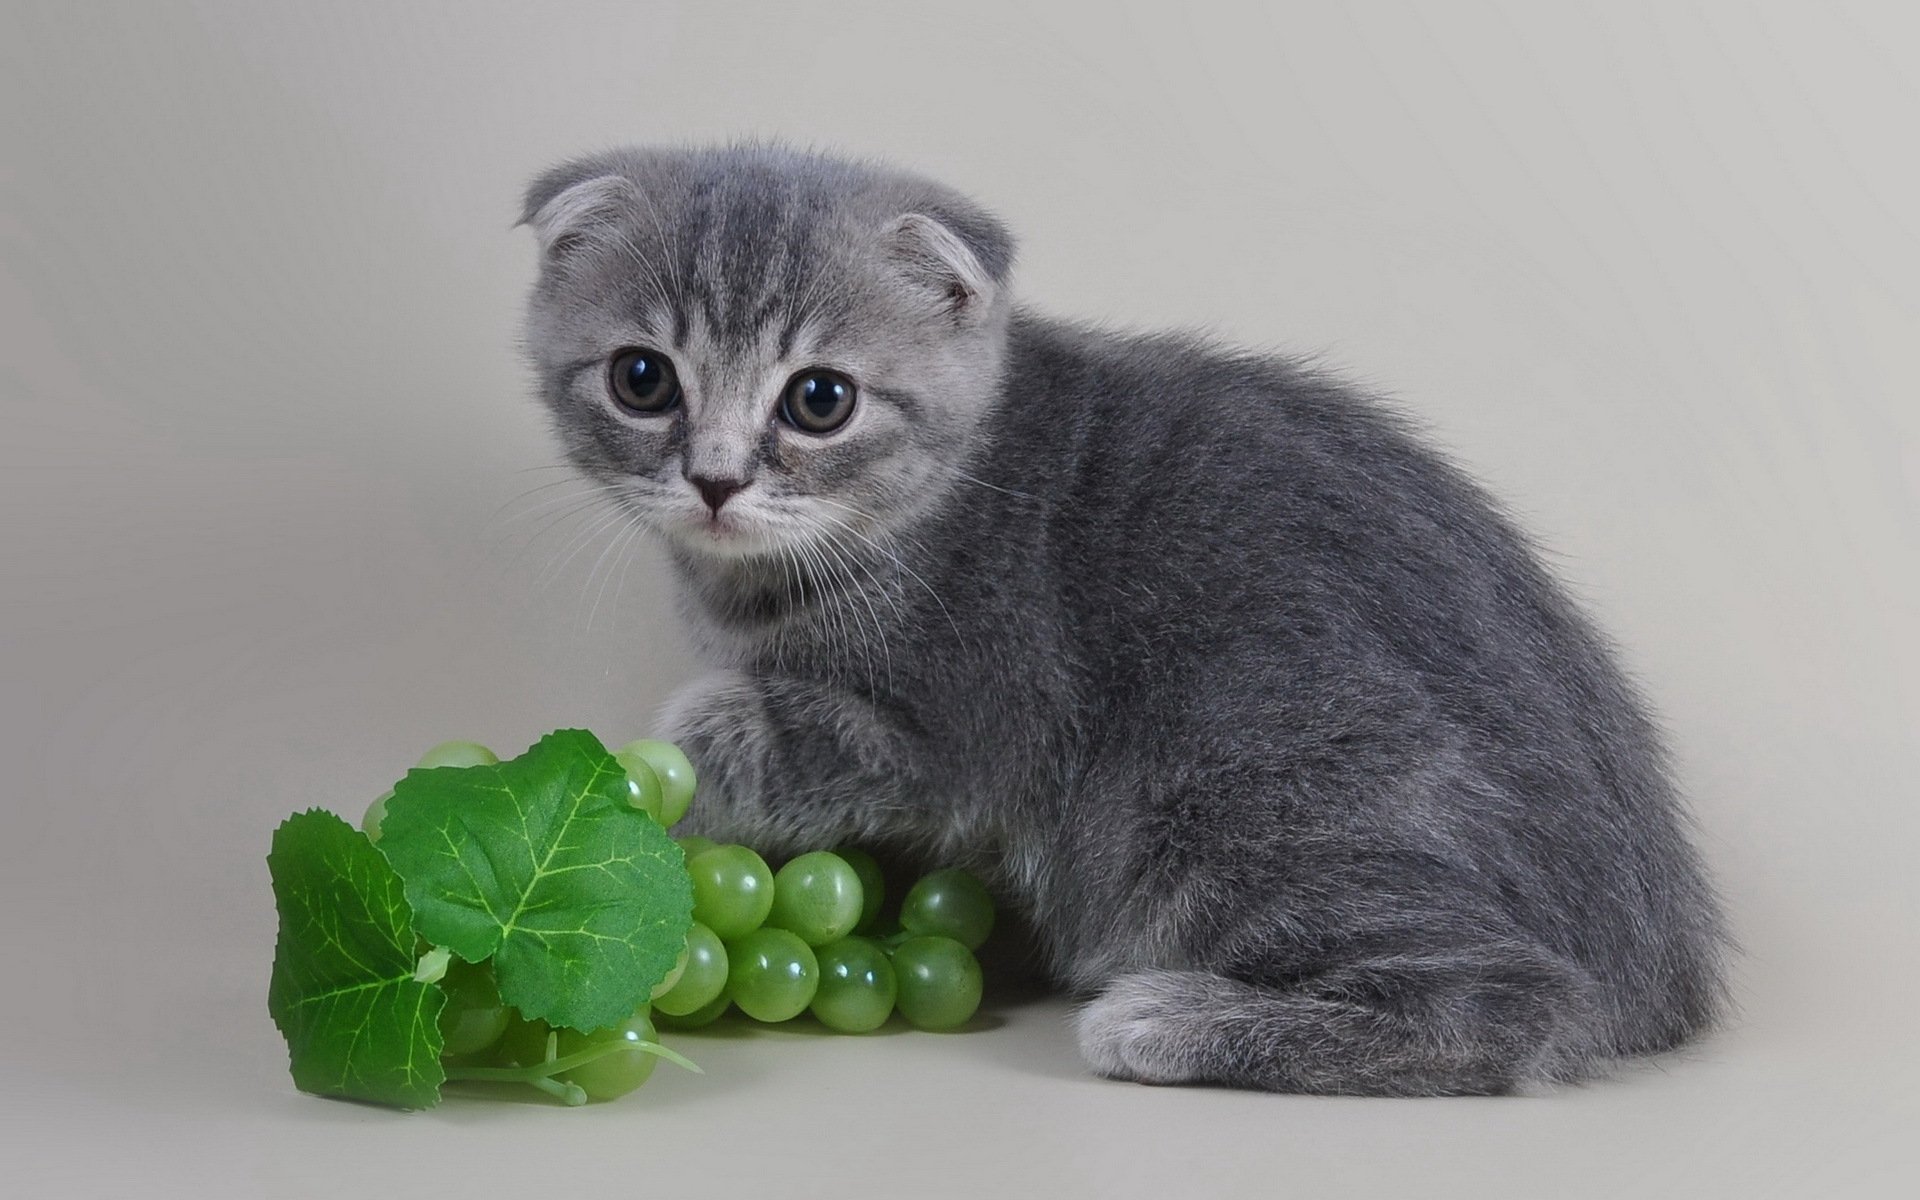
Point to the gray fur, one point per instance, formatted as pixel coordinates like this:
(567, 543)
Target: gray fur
(1306, 774)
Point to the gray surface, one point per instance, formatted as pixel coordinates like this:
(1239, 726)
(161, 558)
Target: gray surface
(1650, 272)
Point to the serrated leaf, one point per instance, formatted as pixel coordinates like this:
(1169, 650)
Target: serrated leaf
(540, 863)
(343, 994)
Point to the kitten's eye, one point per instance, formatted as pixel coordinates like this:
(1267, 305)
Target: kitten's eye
(817, 401)
(643, 381)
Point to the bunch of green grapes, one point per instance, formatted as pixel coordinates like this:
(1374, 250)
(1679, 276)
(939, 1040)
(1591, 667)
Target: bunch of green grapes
(487, 1039)
(808, 937)
(484, 1037)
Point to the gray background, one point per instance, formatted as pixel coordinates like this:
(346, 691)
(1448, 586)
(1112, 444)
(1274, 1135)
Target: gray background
(1650, 271)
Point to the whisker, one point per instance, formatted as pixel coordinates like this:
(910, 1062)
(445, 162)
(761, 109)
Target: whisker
(820, 550)
(798, 308)
(581, 504)
(580, 541)
(895, 558)
(626, 562)
(540, 506)
(671, 249)
(623, 539)
(821, 616)
(847, 618)
(879, 627)
(534, 491)
(791, 594)
(832, 609)
(956, 471)
(640, 260)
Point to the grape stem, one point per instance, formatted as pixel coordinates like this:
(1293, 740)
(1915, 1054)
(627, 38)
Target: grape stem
(543, 1073)
(570, 1094)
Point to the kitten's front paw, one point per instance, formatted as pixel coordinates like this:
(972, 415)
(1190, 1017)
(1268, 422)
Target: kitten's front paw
(720, 723)
(1137, 1028)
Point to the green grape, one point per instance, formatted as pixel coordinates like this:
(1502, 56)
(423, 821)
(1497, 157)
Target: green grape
(873, 887)
(643, 786)
(771, 974)
(457, 754)
(673, 976)
(617, 1072)
(376, 813)
(675, 772)
(446, 754)
(474, 1016)
(949, 903)
(938, 982)
(732, 890)
(817, 896)
(699, 1018)
(524, 1044)
(856, 986)
(694, 844)
(704, 977)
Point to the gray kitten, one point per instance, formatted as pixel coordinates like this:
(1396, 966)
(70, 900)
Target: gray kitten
(1304, 771)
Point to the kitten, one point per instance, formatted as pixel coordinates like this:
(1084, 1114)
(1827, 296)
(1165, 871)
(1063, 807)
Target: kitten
(1306, 774)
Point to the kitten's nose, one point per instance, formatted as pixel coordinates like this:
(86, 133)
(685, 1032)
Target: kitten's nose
(716, 491)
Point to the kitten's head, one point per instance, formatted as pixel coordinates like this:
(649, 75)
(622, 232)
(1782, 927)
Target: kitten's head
(764, 348)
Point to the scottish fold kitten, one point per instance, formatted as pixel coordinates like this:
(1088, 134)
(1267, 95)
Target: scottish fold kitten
(1306, 774)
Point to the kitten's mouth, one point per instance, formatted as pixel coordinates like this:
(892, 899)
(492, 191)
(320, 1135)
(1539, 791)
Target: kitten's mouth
(722, 534)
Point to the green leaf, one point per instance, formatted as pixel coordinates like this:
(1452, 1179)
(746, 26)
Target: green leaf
(581, 900)
(357, 1024)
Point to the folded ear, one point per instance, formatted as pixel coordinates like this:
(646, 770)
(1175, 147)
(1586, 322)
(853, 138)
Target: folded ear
(568, 206)
(960, 265)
